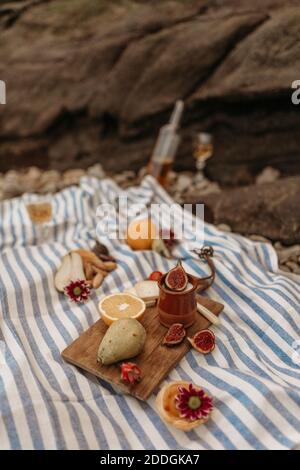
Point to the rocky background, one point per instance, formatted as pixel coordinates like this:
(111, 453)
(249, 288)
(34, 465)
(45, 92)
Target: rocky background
(89, 83)
(92, 80)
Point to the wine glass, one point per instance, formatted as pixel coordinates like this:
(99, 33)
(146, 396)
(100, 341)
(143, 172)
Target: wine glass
(203, 150)
(40, 213)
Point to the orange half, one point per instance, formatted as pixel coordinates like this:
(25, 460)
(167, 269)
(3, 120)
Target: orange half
(121, 305)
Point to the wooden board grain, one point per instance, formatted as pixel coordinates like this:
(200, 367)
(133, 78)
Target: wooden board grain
(156, 360)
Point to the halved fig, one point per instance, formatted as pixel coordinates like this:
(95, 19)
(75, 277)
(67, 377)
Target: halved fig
(177, 279)
(203, 341)
(175, 335)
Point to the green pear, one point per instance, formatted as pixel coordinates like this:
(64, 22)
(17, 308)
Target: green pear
(124, 339)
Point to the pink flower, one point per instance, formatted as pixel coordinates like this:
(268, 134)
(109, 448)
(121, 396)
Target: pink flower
(168, 236)
(78, 291)
(193, 403)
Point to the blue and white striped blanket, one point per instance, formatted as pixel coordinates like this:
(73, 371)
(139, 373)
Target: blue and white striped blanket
(47, 403)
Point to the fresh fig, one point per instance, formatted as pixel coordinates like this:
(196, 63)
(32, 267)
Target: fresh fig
(177, 279)
(203, 341)
(155, 276)
(175, 335)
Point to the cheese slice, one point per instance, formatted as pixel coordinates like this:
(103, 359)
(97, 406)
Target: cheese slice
(147, 290)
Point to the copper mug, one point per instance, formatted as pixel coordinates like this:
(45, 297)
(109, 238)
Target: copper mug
(177, 307)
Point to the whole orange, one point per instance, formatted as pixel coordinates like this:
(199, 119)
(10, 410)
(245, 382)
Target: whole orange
(140, 234)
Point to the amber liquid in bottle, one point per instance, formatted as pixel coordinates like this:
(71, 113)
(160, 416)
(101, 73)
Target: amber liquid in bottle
(160, 171)
(165, 147)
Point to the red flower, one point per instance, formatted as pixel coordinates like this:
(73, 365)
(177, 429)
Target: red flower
(168, 236)
(130, 372)
(78, 291)
(193, 403)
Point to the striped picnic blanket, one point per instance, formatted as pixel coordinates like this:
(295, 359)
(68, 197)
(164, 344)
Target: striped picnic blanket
(47, 403)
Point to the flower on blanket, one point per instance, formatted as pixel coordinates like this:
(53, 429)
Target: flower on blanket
(193, 403)
(78, 291)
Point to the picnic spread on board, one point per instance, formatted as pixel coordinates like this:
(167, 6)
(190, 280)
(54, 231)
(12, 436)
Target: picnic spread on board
(148, 323)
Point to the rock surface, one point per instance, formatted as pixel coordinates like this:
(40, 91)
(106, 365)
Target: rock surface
(271, 209)
(92, 81)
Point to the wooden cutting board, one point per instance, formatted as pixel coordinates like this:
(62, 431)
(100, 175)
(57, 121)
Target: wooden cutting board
(156, 360)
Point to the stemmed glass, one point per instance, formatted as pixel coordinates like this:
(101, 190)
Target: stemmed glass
(203, 150)
(40, 213)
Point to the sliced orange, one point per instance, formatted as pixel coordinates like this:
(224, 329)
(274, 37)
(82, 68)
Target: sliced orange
(121, 305)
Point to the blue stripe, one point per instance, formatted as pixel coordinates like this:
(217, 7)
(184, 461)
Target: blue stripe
(278, 405)
(230, 301)
(239, 294)
(251, 405)
(230, 415)
(56, 354)
(260, 293)
(8, 419)
(35, 349)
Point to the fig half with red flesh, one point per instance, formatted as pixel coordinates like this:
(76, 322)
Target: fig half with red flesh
(175, 335)
(177, 279)
(203, 341)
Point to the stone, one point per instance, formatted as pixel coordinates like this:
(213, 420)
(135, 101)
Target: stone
(142, 173)
(201, 183)
(268, 175)
(72, 177)
(195, 194)
(278, 246)
(259, 238)
(290, 253)
(126, 179)
(270, 210)
(31, 180)
(11, 185)
(178, 198)
(285, 268)
(172, 176)
(224, 228)
(231, 61)
(183, 183)
(96, 171)
(294, 267)
(50, 181)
